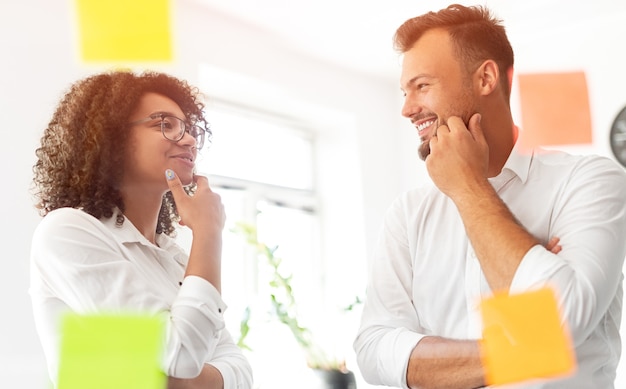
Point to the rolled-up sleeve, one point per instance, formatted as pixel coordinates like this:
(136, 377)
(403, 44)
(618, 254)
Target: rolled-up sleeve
(195, 323)
(197, 336)
(389, 329)
(234, 367)
(590, 220)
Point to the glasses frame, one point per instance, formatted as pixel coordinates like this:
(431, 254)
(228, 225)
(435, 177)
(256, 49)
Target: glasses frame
(185, 127)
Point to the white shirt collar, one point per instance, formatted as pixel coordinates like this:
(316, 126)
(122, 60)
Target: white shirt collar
(128, 233)
(517, 164)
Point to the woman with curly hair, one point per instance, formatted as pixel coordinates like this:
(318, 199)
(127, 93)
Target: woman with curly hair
(114, 175)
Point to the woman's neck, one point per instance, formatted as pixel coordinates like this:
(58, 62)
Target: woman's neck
(143, 212)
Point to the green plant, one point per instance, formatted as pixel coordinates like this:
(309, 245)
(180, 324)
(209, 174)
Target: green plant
(283, 303)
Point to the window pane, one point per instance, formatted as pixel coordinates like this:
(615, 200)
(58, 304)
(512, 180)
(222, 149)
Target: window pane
(256, 148)
(255, 163)
(238, 268)
(293, 232)
(277, 359)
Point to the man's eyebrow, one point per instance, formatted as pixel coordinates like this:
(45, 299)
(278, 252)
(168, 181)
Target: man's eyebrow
(414, 80)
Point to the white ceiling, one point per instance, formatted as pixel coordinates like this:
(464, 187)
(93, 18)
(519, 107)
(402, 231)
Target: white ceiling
(357, 34)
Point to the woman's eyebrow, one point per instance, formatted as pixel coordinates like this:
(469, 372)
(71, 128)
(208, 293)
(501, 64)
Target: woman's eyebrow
(162, 113)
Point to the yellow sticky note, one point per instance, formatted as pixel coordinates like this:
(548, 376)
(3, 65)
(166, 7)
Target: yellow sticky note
(122, 30)
(523, 338)
(111, 351)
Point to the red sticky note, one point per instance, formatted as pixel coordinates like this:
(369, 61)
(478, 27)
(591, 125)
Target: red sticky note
(555, 109)
(523, 338)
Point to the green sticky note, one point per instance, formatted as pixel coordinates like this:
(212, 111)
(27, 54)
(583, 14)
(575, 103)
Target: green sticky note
(122, 30)
(111, 351)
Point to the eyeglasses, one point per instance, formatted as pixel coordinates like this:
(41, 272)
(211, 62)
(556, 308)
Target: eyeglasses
(173, 128)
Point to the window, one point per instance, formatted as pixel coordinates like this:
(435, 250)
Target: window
(258, 147)
(263, 168)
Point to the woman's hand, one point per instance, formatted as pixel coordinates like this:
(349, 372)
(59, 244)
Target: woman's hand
(203, 210)
(204, 214)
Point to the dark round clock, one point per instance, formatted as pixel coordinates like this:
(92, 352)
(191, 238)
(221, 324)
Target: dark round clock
(617, 137)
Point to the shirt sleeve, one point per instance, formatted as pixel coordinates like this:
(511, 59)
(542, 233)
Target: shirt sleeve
(231, 363)
(197, 331)
(389, 327)
(589, 217)
(194, 327)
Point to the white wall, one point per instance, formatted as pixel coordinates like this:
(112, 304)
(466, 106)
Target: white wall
(38, 62)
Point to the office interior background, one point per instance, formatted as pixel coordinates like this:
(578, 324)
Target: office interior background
(309, 143)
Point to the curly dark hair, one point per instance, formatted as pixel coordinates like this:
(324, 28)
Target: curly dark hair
(80, 160)
(475, 32)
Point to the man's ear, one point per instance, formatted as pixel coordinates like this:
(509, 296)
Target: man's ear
(487, 77)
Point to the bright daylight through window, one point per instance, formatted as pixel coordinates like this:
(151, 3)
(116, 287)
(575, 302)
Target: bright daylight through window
(263, 168)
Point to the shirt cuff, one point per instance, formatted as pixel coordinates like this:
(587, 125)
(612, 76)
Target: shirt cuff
(194, 286)
(535, 269)
(394, 360)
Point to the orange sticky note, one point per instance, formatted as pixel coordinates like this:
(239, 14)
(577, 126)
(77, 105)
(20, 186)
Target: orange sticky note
(121, 30)
(555, 109)
(523, 338)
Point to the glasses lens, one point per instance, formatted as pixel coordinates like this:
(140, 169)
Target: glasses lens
(198, 134)
(173, 128)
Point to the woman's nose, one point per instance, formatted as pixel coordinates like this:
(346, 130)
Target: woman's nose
(187, 140)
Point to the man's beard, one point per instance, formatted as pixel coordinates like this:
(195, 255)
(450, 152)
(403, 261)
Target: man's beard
(424, 149)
